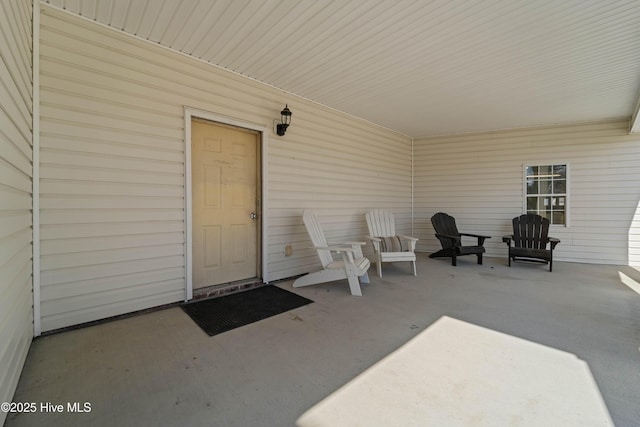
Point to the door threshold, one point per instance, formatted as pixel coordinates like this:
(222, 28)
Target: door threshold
(226, 288)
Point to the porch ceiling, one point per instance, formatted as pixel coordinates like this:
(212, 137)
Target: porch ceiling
(418, 67)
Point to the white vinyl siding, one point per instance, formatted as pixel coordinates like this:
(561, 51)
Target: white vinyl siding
(478, 179)
(16, 300)
(113, 164)
(340, 170)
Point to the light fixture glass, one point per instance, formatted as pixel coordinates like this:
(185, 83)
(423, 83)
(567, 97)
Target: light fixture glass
(285, 120)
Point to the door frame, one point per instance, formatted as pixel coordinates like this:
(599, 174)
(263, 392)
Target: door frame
(193, 113)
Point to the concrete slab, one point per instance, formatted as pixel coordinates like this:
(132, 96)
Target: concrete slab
(161, 369)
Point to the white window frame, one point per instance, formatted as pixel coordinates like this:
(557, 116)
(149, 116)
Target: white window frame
(567, 194)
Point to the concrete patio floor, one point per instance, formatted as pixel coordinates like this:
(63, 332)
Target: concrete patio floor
(160, 369)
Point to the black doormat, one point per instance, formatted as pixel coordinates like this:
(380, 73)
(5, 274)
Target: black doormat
(218, 315)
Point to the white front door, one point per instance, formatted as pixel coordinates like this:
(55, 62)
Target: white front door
(225, 178)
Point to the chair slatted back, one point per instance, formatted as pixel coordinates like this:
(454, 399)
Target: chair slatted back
(445, 224)
(381, 223)
(317, 236)
(530, 231)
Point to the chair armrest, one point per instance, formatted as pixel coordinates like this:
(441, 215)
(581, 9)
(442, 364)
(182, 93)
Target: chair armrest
(349, 254)
(475, 235)
(448, 237)
(335, 248)
(480, 237)
(553, 241)
(411, 241)
(356, 247)
(374, 239)
(347, 243)
(507, 239)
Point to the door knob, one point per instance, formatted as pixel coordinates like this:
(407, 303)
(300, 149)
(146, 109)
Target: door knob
(253, 215)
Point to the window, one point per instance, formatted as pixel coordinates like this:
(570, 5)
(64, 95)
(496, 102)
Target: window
(546, 192)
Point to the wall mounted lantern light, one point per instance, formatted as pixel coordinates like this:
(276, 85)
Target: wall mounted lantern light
(285, 121)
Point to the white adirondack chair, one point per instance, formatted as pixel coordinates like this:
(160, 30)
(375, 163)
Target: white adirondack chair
(387, 246)
(351, 266)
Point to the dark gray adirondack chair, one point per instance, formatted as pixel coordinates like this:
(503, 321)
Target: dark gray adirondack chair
(531, 241)
(451, 239)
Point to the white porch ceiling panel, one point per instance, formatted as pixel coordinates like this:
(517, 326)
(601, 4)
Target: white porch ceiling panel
(418, 67)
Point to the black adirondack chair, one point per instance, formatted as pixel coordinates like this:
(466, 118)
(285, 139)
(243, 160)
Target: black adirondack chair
(530, 240)
(451, 239)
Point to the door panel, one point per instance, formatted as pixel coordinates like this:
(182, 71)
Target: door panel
(224, 167)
